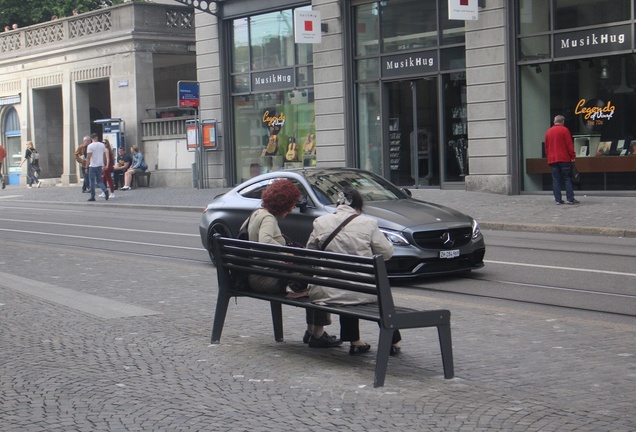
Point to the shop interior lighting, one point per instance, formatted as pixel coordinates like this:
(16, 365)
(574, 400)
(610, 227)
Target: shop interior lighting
(604, 70)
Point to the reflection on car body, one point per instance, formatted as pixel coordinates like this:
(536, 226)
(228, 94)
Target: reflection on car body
(428, 239)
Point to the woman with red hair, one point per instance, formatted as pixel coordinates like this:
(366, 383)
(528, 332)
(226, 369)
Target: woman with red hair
(279, 199)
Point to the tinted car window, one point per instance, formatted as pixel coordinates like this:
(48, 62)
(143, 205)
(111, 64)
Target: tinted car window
(255, 190)
(327, 185)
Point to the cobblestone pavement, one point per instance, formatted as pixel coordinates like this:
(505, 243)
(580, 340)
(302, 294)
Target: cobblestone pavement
(518, 368)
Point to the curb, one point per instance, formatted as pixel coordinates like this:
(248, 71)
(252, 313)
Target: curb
(558, 229)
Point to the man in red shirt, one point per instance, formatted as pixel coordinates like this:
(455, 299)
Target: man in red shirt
(559, 148)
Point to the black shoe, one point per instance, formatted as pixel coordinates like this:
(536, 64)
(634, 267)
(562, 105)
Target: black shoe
(91, 199)
(559, 202)
(324, 341)
(359, 349)
(395, 350)
(573, 202)
(107, 194)
(307, 336)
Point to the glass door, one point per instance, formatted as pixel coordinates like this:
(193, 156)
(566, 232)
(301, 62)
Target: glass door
(412, 132)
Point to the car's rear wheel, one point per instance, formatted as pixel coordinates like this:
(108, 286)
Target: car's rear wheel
(216, 228)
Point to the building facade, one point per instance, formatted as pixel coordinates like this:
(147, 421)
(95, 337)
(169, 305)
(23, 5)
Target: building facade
(398, 88)
(58, 78)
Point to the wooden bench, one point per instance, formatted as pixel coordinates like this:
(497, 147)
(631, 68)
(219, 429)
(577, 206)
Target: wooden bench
(346, 272)
(136, 176)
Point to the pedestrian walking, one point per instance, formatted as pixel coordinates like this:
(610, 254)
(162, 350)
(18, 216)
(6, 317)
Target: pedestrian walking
(3, 154)
(107, 174)
(32, 159)
(80, 157)
(559, 149)
(96, 158)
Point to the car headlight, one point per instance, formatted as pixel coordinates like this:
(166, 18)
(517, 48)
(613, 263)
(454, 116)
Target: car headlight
(394, 237)
(476, 230)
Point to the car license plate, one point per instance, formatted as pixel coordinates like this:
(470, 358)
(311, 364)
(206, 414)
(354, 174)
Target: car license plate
(449, 253)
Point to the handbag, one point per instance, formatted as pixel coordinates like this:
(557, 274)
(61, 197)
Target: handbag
(575, 175)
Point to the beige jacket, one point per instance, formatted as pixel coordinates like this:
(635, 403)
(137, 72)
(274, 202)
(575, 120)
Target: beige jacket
(360, 237)
(263, 228)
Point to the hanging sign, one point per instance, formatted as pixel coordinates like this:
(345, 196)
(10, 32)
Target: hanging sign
(307, 26)
(466, 10)
(209, 134)
(192, 134)
(188, 94)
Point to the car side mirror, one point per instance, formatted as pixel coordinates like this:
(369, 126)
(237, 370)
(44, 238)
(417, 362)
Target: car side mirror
(302, 204)
(408, 192)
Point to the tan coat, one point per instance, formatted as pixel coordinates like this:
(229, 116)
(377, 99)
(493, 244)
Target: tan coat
(360, 237)
(263, 228)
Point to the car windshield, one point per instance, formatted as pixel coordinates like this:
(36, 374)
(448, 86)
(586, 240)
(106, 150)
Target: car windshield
(328, 184)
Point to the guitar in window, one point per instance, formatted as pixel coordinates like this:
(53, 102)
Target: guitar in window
(292, 150)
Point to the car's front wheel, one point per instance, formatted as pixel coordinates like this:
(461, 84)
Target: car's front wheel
(216, 228)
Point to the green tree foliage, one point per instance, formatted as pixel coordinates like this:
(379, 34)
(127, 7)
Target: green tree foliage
(28, 12)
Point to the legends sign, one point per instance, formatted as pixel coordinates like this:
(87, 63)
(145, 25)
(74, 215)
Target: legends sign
(595, 113)
(594, 41)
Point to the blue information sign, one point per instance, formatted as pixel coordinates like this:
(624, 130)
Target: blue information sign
(188, 94)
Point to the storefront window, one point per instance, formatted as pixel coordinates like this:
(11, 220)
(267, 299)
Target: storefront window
(456, 124)
(367, 29)
(453, 31)
(272, 40)
(417, 31)
(241, 52)
(273, 97)
(534, 16)
(571, 63)
(273, 131)
(597, 96)
(369, 127)
(397, 92)
(569, 14)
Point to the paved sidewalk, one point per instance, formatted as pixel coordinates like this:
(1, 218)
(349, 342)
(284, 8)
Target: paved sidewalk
(596, 214)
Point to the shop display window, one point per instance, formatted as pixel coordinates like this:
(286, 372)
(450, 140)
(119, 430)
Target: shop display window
(272, 95)
(597, 96)
(274, 131)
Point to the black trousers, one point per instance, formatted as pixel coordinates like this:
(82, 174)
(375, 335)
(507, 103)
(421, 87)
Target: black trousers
(318, 318)
(350, 330)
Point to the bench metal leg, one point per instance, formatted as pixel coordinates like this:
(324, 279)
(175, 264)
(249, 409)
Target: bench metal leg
(222, 303)
(382, 358)
(277, 318)
(446, 346)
